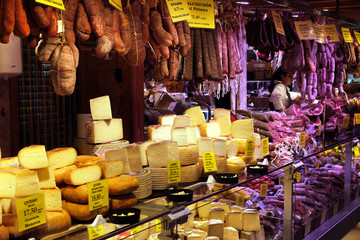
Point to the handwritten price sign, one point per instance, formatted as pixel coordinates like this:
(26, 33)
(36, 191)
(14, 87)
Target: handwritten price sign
(98, 194)
(31, 211)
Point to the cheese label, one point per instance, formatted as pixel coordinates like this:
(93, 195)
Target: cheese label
(317, 164)
(158, 225)
(319, 33)
(30, 211)
(297, 176)
(336, 208)
(319, 129)
(331, 33)
(179, 10)
(357, 118)
(263, 190)
(240, 201)
(278, 22)
(347, 35)
(323, 216)
(202, 14)
(136, 230)
(265, 146)
(307, 227)
(250, 148)
(345, 123)
(98, 194)
(209, 162)
(303, 138)
(357, 36)
(173, 170)
(356, 151)
(305, 30)
(116, 4)
(52, 3)
(95, 232)
(336, 149)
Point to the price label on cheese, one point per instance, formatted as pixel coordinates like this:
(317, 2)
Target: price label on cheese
(323, 216)
(174, 173)
(347, 35)
(95, 232)
(297, 176)
(345, 123)
(98, 194)
(135, 230)
(319, 33)
(307, 227)
(336, 208)
(179, 10)
(116, 4)
(356, 151)
(319, 129)
(31, 211)
(331, 33)
(263, 190)
(158, 225)
(202, 14)
(265, 146)
(240, 201)
(52, 3)
(317, 164)
(278, 22)
(357, 36)
(357, 118)
(209, 162)
(303, 138)
(305, 30)
(336, 149)
(250, 148)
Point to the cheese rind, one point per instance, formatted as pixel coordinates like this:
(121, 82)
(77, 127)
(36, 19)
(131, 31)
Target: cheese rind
(166, 119)
(243, 128)
(61, 157)
(79, 176)
(216, 228)
(196, 116)
(211, 129)
(100, 108)
(33, 157)
(182, 121)
(102, 131)
(52, 199)
(225, 125)
(161, 152)
(110, 169)
(119, 154)
(46, 177)
(159, 132)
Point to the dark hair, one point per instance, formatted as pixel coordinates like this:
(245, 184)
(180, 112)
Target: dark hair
(276, 76)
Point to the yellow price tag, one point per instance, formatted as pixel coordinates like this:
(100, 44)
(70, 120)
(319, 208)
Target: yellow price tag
(297, 176)
(95, 232)
(305, 30)
(116, 4)
(98, 194)
(158, 225)
(319, 33)
(357, 118)
(30, 211)
(250, 148)
(319, 129)
(202, 14)
(209, 162)
(357, 35)
(240, 201)
(336, 149)
(263, 190)
(52, 3)
(331, 33)
(317, 164)
(173, 170)
(265, 146)
(347, 35)
(278, 22)
(345, 123)
(356, 151)
(136, 230)
(303, 138)
(179, 10)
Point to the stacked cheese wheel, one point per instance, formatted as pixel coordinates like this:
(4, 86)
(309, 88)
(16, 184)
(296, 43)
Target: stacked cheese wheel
(145, 184)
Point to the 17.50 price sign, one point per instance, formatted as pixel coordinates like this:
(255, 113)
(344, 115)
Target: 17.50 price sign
(31, 211)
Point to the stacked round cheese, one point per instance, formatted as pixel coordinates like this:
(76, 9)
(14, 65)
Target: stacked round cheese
(159, 178)
(190, 173)
(145, 184)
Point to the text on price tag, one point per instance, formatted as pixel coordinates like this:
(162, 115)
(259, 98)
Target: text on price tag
(263, 190)
(345, 123)
(305, 30)
(240, 201)
(250, 148)
(357, 35)
(297, 176)
(95, 232)
(331, 33)
(116, 4)
(209, 161)
(179, 10)
(52, 3)
(319, 33)
(265, 146)
(356, 151)
(202, 14)
(347, 35)
(174, 173)
(357, 118)
(158, 225)
(303, 138)
(98, 194)
(31, 211)
(278, 22)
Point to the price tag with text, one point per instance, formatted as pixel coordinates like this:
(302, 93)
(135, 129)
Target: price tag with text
(31, 211)
(345, 123)
(323, 216)
(319, 129)
(158, 225)
(265, 146)
(52, 3)
(116, 4)
(209, 162)
(336, 208)
(303, 138)
(179, 10)
(319, 33)
(174, 173)
(308, 227)
(278, 22)
(297, 176)
(263, 190)
(357, 36)
(250, 148)
(347, 35)
(305, 30)
(202, 14)
(95, 232)
(98, 194)
(357, 118)
(331, 33)
(240, 201)
(135, 230)
(317, 164)
(356, 151)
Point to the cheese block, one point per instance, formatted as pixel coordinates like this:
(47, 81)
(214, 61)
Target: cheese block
(81, 211)
(211, 129)
(119, 154)
(134, 157)
(231, 148)
(188, 155)
(242, 128)
(86, 160)
(247, 235)
(122, 201)
(225, 125)
(194, 236)
(161, 152)
(166, 119)
(33, 157)
(59, 174)
(100, 108)
(190, 173)
(143, 147)
(61, 157)
(205, 145)
(76, 194)
(46, 177)
(180, 136)
(110, 169)
(6, 204)
(102, 131)
(203, 208)
(220, 112)
(122, 185)
(202, 233)
(82, 175)
(57, 222)
(231, 233)
(241, 142)
(248, 160)
(9, 161)
(234, 219)
(182, 121)
(224, 206)
(216, 228)
(52, 199)
(251, 220)
(196, 116)
(219, 146)
(192, 134)
(236, 161)
(217, 213)
(159, 132)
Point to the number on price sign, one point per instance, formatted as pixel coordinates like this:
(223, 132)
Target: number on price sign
(174, 173)
(31, 211)
(357, 118)
(179, 10)
(347, 35)
(250, 148)
(303, 138)
(263, 190)
(95, 232)
(297, 176)
(98, 194)
(52, 3)
(345, 123)
(209, 162)
(158, 225)
(240, 201)
(265, 146)
(356, 151)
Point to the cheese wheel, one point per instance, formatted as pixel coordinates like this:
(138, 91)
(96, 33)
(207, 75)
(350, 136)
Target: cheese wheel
(87, 160)
(61, 157)
(127, 200)
(81, 211)
(33, 157)
(57, 221)
(122, 185)
(188, 155)
(110, 169)
(76, 194)
(190, 173)
(79, 176)
(60, 173)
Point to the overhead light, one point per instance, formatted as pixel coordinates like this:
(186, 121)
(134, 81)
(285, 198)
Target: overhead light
(325, 9)
(243, 2)
(295, 15)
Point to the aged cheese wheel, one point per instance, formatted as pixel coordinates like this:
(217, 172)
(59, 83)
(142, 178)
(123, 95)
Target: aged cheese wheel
(81, 211)
(57, 221)
(77, 194)
(127, 200)
(122, 185)
(82, 175)
(60, 173)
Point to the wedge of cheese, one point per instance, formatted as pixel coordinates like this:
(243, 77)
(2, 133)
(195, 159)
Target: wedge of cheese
(203, 208)
(143, 147)
(219, 146)
(220, 112)
(134, 157)
(79, 176)
(166, 119)
(182, 121)
(100, 108)
(234, 219)
(102, 131)
(161, 152)
(193, 134)
(205, 145)
(180, 135)
(251, 220)
(110, 169)
(59, 174)
(211, 129)
(243, 128)
(61, 157)
(231, 233)
(225, 125)
(231, 148)
(33, 157)
(216, 228)
(159, 132)
(196, 116)
(46, 177)
(217, 213)
(119, 154)
(52, 199)
(9, 161)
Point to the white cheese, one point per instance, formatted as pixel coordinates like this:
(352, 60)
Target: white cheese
(61, 157)
(231, 148)
(225, 125)
(166, 119)
(52, 199)
(243, 128)
(103, 131)
(159, 132)
(110, 169)
(119, 154)
(192, 134)
(205, 145)
(211, 129)
(196, 116)
(46, 177)
(143, 147)
(180, 135)
(219, 146)
(101, 108)
(182, 121)
(134, 157)
(161, 152)
(33, 157)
